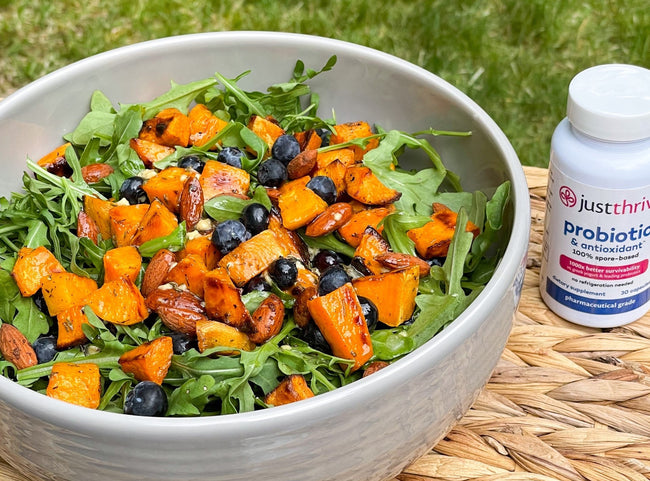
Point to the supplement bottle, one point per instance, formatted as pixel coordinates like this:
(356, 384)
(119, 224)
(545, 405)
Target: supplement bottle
(597, 233)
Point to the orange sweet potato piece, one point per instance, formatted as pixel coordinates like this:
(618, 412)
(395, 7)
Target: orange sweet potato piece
(362, 185)
(218, 178)
(302, 164)
(345, 156)
(308, 139)
(170, 127)
(98, 210)
(179, 310)
(62, 290)
(265, 129)
(86, 227)
(433, 238)
(336, 171)
(203, 125)
(353, 230)
(339, 317)
(266, 321)
(70, 332)
(354, 130)
(93, 173)
(392, 292)
(149, 361)
(292, 388)
(119, 302)
(150, 152)
(32, 266)
(253, 256)
(291, 241)
(124, 222)
(167, 186)
(122, 262)
(203, 247)
(158, 221)
(190, 272)
(211, 334)
(78, 384)
(372, 245)
(55, 161)
(222, 299)
(299, 205)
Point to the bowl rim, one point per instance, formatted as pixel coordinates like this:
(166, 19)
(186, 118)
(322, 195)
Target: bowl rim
(61, 413)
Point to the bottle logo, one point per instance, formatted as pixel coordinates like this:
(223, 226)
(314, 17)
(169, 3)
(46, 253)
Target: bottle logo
(567, 196)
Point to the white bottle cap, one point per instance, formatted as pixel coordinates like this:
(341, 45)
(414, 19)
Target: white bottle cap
(611, 102)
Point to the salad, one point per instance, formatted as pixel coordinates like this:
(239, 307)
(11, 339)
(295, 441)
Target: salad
(215, 251)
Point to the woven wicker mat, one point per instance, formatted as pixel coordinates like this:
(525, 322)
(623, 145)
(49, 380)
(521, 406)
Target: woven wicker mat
(565, 402)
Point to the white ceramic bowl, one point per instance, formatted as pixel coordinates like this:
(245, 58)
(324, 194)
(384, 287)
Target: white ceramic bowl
(369, 430)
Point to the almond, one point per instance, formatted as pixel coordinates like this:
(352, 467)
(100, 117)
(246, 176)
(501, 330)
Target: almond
(15, 347)
(87, 227)
(267, 320)
(158, 268)
(178, 310)
(300, 311)
(302, 164)
(95, 172)
(191, 202)
(335, 216)
(395, 261)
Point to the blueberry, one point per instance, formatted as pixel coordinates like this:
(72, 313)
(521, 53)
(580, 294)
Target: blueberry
(193, 162)
(369, 312)
(325, 259)
(257, 283)
(45, 348)
(132, 191)
(284, 272)
(232, 156)
(437, 261)
(39, 300)
(255, 218)
(182, 342)
(272, 173)
(314, 337)
(146, 399)
(332, 279)
(285, 148)
(324, 187)
(228, 235)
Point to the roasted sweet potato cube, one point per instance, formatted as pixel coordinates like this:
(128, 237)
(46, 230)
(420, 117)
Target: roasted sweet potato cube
(78, 384)
(372, 245)
(62, 290)
(119, 302)
(223, 300)
(149, 361)
(170, 127)
(339, 316)
(158, 221)
(211, 334)
(218, 178)
(70, 332)
(345, 156)
(98, 210)
(203, 125)
(299, 205)
(55, 162)
(265, 129)
(393, 293)
(353, 230)
(292, 388)
(190, 271)
(124, 221)
(362, 185)
(203, 247)
(433, 238)
(252, 257)
(150, 152)
(167, 186)
(32, 267)
(291, 241)
(86, 227)
(336, 171)
(354, 130)
(308, 139)
(122, 262)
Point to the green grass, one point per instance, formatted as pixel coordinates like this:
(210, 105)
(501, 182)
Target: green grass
(514, 57)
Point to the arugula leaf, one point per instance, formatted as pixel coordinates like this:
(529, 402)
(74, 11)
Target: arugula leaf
(174, 242)
(179, 96)
(227, 207)
(328, 241)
